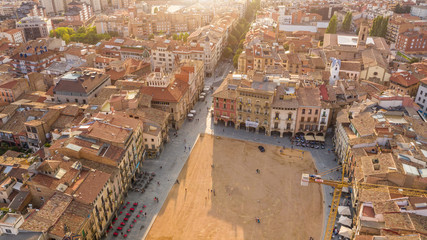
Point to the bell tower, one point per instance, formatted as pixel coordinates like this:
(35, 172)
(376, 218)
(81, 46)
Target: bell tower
(363, 34)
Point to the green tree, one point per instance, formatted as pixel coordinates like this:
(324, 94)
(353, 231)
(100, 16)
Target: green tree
(151, 36)
(185, 37)
(66, 37)
(174, 36)
(346, 23)
(379, 27)
(156, 9)
(227, 52)
(286, 46)
(332, 27)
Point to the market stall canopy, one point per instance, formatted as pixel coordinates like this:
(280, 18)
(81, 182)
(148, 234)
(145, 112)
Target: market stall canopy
(320, 138)
(190, 115)
(193, 111)
(203, 93)
(344, 210)
(206, 89)
(309, 138)
(345, 221)
(345, 232)
(201, 97)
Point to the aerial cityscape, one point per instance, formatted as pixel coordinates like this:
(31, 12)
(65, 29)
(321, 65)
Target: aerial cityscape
(213, 119)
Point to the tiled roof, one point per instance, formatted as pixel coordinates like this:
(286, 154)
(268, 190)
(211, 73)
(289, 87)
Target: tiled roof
(404, 79)
(172, 93)
(90, 188)
(51, 211)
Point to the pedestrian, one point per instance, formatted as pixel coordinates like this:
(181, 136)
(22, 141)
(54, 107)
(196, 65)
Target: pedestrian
(177, 181)
(185, 148)
(185, 189)
(145, 214)
(158, 183)
(189, 148)
(161, 167)
(214, 192)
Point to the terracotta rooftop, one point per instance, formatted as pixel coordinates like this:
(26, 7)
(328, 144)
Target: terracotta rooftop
(49, 214)
(91, 187)
(404, 79)
(74, 217)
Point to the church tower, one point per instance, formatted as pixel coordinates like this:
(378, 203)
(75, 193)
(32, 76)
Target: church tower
(363, 34)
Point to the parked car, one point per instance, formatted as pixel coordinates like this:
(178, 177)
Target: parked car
(261, 148)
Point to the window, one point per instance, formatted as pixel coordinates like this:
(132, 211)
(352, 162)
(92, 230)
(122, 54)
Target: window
(153, 146)
(375, 73)
(225, 106)
(309, 111)
(316, 112)
(152, 140)
(309, 119)
(303, 111)
(288, 126)
(302, 119)
(8, 231)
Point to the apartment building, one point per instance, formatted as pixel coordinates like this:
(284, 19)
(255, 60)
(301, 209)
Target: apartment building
(225, 104)
(114, 23)
(284, 111)
(169, 94)
(309, 113)
(404, 83)
(79, 12)
(421, 97)
(10, 91)
(54, 6)
(35, 27)
(412, 42)
(254, 101)
(14, 36)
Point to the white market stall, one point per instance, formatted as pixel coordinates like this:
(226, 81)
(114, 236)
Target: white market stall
(344, 210)
(345, 232)
(345, 221)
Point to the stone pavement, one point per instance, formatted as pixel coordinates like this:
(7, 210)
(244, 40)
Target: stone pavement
(168, 166)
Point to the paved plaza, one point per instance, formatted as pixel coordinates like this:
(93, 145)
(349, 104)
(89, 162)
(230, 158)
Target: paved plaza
(168, 166)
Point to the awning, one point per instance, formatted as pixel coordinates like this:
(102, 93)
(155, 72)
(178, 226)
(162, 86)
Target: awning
(344, 210)
(190, 115)
(320, 138)
(345, 221)
(345, 232)
(203, 93)
(309, 138)
(201, 97)
(206, 89)
(193, 111)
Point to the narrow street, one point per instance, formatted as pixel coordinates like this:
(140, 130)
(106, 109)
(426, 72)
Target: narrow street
(168, 166)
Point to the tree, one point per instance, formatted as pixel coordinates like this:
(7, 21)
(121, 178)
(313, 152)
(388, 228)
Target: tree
(379, 27)
(66, 37)
(346, 23)
(156, 9)
(227, 52)
(286, 46)
(399, 9)
(185, 37)
(332, 27)
(174, 36)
